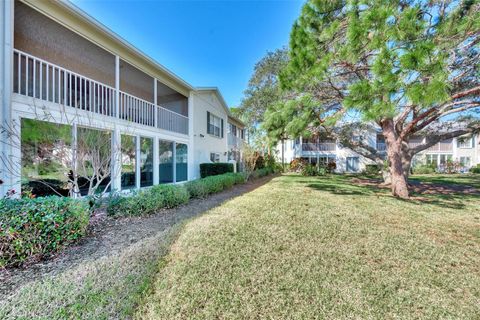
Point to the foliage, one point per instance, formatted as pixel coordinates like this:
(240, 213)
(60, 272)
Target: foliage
(263, 90)
(403, 65)
(372, 169)
(311, 170)
(250, 156)
(331, 166)
(147, 201)
(32, 228)
(475, 169)
(262, 172)
(423, 169)
(297, 164)
(212, 169)
(260, 162)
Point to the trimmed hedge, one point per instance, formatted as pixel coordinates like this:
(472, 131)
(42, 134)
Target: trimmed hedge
(147, 201)
(31, 229)
(213, 169)
(475, 169)
(203, 187)
(423, 169)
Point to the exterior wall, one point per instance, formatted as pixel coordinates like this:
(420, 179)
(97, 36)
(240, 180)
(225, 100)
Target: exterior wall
(456, 152)
(205, 143)
(340, 153)
(54, 21)
(6, 63)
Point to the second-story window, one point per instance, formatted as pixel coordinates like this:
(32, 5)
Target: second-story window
(214, 125)
(465, 142)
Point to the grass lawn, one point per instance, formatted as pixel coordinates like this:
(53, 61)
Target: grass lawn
(466, 179)
(321, 247)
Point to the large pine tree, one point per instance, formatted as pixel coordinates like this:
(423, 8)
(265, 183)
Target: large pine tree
(401, 64)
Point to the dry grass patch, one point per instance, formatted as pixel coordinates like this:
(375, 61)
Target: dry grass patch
(310, 247)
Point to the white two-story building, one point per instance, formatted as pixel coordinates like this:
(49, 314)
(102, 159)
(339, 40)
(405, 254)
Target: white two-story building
(63, 72)
(465, 150)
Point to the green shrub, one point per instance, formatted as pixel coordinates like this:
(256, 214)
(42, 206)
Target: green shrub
(475, 169)
(312, 170)
(423, 169)
(34, 228)
(147, 201)
(203, 187)
(259, 163)
(213, 169)
(197, 188)
(372, 169)
(261, 173)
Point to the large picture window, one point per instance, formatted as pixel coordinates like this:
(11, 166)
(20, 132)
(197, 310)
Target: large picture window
(165, 161)
(94, 156)
(146, 162)
(129, 147)
(181, 162)
(46, 157)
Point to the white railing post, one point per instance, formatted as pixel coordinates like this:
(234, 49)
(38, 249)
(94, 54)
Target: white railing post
(117, 86)
(155, 108)
(191, 164)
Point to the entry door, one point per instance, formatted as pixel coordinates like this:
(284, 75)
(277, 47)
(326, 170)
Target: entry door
(352, 164)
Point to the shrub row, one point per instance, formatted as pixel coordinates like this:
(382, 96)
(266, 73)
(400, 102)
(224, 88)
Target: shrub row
(151, 200)
(31, 229)
(475, 169)
(147, 201)
(213, 169)
(262, 172)
(203, 187)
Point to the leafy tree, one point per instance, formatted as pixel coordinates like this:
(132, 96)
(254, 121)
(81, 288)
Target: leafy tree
(263, 91)
(401, 64)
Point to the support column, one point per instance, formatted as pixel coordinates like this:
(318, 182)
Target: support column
(116, 166)
(76, 191)
(117, 86)
(137, 162)
(191, 148)
(10, 179)
(174, 162)
(156, 162)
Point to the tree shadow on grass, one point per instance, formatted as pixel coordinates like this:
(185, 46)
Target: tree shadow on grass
(346, 187)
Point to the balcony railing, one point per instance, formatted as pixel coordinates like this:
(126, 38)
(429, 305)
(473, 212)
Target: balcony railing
(442, 146)
(172, 121)
(234, 141)
(323, 146)
(42, 80)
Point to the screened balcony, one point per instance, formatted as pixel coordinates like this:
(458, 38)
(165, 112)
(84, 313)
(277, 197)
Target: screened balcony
(55, 64)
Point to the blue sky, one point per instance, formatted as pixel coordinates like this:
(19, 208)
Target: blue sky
(207, 43)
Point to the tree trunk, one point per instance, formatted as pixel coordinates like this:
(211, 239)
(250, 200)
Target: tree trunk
(406, 163)
(394, 151)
